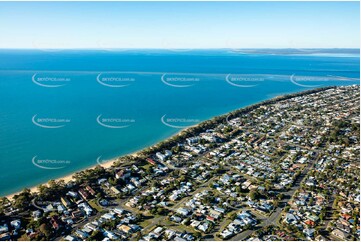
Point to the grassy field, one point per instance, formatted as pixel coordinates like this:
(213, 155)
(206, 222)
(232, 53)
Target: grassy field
(145, 223)
(93, 203)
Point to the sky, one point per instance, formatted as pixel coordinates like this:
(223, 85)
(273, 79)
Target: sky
(172, 25)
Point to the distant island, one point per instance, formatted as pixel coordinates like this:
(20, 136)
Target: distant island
(298, 51)
(283, 169)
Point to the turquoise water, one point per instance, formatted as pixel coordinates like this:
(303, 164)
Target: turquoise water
(61, 111)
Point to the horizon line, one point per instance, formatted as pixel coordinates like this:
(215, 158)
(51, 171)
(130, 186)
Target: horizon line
(212, 48)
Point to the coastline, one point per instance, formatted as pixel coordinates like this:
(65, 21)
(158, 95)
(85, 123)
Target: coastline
(108, 164)
(66, 178)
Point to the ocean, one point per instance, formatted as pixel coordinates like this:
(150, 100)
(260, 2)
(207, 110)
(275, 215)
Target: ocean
(63, 111)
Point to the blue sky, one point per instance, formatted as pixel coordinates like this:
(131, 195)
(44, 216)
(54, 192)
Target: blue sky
(179, 25)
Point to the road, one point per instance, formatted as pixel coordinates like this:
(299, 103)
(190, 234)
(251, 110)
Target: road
(275, 216)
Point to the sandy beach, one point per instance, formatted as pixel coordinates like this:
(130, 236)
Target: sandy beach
(68, 178)
(105, 164)
(109, 163)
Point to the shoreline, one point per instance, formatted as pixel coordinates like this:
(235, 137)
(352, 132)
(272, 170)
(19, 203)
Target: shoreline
(66, 178)
(108, 164)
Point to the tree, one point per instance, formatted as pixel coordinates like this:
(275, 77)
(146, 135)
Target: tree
(287, 208)
(96, 235)
(275, 203)
(198, 235)
(161, 211)
(153, 211)
(45, 229)
(138, 236)
(23, 199)
(253, 195)
(155, 183)
(233, 216)
(112, 181)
